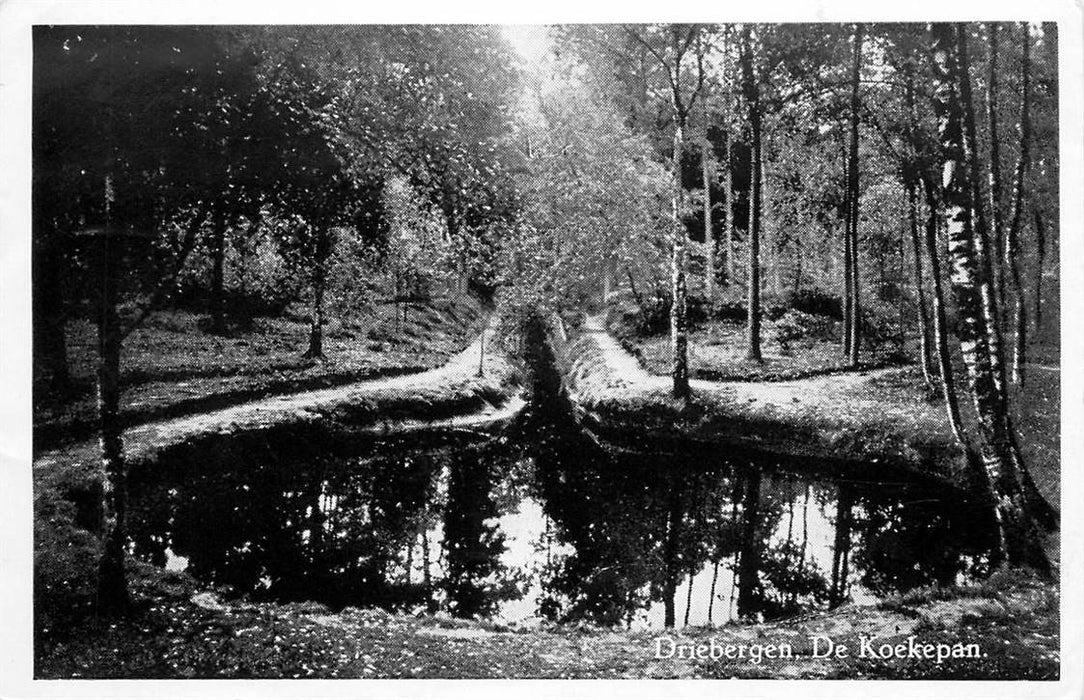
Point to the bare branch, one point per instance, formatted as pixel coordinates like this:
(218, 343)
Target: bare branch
(651, 49)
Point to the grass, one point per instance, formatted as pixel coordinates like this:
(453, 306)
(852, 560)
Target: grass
(881, 418)
(165, 635)
(175, 631)
(718, 353)
(171, 366)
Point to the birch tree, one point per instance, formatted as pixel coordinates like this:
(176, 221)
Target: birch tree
(1012, 242)
(1000, 480)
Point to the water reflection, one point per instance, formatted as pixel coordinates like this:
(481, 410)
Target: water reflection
(550, 526)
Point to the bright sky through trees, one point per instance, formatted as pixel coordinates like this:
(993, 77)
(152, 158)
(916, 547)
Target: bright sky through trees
(531, 41)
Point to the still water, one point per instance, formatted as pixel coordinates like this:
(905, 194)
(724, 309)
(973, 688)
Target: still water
(537, 524)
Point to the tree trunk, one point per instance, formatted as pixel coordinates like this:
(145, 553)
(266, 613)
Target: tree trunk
(996, 216)
(709, 234)
(980, 228)
(853, 346)
(689, 597)
(679, 333)
(711, 593)
(753, 278)
(1037, 506)
(805, 529)
(728, 190)
(848, 278)
(218, 256)
(319, 283)
(112, 582)
(1012, 246)
(1040, 245)
(911, 177)
(1017, 536)
(925, 349)
(940, 326)
(679, 339)
(727, 186)
(776, 261)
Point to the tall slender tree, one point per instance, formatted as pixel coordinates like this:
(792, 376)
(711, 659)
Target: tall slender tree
(912, 174)
(751, 91)
(709, 234)
(1000, 479)
(1012, 242)
(683, 93)
(940, 324)
(996, 215)
(852, 341)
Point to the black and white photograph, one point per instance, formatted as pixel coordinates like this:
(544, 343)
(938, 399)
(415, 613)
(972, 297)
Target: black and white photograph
(715, 350)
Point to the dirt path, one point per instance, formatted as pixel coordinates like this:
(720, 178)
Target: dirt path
(862, 393)
(863, 414)
(458, 377)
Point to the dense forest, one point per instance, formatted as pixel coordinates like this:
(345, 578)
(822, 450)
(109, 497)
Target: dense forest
(876, 193)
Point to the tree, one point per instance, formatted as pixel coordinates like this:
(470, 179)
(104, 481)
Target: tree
(136, 197)
(1012, 247)
(670, 45)
(912, 176)
(852, 306)
(1017, 536)
(996, 216)
(593, 197)
(709, 235)
(751, 92)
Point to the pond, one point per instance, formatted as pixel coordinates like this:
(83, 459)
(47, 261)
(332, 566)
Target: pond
(540, 522)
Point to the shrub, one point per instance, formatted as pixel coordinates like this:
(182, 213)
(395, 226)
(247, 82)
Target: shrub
(879, 325)
(628, 319)
(816, 302)
(794, 326)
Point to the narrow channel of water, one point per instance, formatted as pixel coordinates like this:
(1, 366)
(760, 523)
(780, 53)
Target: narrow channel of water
(540, 523)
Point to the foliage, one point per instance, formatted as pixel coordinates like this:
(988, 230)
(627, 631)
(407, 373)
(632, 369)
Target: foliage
(794, 326)
(594, 199)
(65, 558)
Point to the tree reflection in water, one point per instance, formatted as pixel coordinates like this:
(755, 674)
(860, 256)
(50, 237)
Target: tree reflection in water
(621, 538)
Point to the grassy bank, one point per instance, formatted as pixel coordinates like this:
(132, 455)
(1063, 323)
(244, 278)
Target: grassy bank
(461, 387)
(454, 397)
(882, 418)
(172, 366)
(884, 405)
(178, 632)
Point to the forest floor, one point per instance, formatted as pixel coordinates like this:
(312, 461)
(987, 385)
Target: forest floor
(176, 631)
(717, 353)
(470, 388)
(171, 366)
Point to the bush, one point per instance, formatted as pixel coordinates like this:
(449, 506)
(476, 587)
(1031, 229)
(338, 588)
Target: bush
(730, 311)
(879, 325)
(627, 319)
(697, 310)
(794, 326)
(817, 303)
